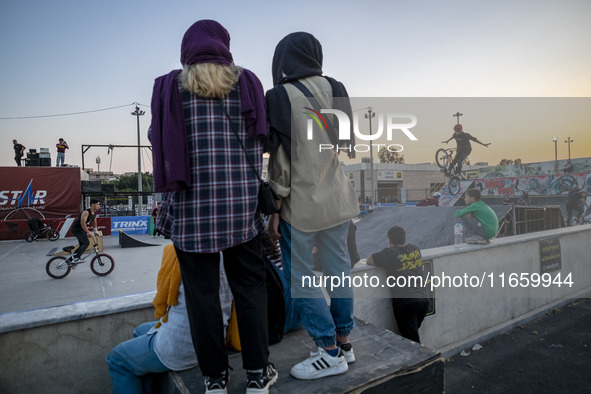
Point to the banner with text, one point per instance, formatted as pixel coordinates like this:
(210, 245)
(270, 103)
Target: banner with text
(130, 224)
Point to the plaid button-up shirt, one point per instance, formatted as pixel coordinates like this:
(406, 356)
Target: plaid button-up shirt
(219, 209)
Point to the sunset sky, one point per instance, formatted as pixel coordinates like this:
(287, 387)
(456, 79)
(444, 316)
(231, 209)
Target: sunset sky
(431, 57)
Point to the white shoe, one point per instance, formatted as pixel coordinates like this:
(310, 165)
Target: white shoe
(347, 351)
(319, 365)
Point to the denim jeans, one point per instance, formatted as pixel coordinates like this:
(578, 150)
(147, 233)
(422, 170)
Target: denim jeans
(132, 359)
(293, 318)
(322, 322)
(61, 157)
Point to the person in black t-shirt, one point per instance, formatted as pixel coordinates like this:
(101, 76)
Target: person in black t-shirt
(18, 152)
(463, 146)
(80, 227)
(412, 301)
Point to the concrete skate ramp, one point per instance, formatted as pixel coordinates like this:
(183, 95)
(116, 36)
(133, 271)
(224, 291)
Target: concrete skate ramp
(426, 227)
(127, 241)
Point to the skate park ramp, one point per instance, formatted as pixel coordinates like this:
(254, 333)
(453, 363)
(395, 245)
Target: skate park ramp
(449, 200)
(127, 241)
(426, 227)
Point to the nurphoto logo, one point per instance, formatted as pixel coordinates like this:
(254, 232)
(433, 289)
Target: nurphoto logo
(344, 129)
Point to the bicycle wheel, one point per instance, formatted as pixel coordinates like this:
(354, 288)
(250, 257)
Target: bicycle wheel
(57, 267)
(454, 185)
(53, 235)
(29, 236)
(441, 158)
(102, 264)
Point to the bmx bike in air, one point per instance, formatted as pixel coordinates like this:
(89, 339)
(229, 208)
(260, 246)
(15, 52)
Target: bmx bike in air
(443, 157)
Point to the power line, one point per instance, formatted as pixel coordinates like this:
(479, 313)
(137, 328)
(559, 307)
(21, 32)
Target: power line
(71, 113)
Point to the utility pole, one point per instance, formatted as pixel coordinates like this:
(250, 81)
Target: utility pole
(457, 115)
(137, 113)
(569, 142)
(370, 114)
(555, 139)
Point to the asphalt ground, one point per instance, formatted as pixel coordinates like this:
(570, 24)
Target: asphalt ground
(24, 284)
(549, 355)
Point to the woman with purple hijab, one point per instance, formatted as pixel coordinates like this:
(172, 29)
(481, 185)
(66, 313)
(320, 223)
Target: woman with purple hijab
(205, 119)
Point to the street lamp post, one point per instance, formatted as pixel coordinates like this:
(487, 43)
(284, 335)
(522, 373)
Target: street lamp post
(137, 113)
(370, 114)
(555, 139)
(569, 142)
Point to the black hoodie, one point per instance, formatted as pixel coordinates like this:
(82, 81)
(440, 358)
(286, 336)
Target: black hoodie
(297, 56)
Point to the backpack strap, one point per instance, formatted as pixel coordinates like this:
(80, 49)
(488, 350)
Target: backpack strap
(316, 105)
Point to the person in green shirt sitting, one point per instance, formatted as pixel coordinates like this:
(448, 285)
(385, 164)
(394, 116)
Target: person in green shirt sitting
(480, 222)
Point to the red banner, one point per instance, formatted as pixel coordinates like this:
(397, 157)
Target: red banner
(16, 229)
(43, 192)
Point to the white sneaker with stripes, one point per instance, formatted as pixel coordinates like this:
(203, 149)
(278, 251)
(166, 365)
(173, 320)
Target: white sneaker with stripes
(319, 365)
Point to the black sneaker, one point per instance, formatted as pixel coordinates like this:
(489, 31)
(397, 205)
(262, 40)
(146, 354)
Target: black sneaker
(259, 383)
(347, 351)
(216, 385)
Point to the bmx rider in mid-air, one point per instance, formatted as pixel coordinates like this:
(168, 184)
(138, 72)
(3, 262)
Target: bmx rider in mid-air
(463, 147)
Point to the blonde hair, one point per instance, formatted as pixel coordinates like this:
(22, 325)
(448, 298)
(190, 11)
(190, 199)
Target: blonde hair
(209, 80)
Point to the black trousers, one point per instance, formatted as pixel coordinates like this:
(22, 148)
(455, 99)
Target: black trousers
(35, 224)
(458, 160)
(245, 270)
(409, 317)
(579, 208)
(82, 238)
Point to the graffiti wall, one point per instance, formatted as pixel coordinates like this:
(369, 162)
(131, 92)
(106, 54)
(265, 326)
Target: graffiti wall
(544, 185)
(582, 165)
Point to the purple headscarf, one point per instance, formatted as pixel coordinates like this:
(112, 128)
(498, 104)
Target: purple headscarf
(205, 42)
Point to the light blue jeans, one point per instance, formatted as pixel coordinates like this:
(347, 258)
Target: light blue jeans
(293, 318)
(61, 157)
(132, 359)
(322, 322)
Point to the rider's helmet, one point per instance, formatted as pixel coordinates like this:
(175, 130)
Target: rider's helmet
(458, 127)
(436, 194)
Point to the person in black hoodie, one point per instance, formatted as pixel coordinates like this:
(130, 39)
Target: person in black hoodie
(316, 201)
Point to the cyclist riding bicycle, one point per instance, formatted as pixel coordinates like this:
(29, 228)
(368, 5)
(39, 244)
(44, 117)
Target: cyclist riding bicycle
(80, 228)
(575, 202)
(463, 147)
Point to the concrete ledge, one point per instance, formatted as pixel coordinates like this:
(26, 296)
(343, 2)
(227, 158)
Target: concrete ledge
(385, 362)
(66, 357)
(467, 315)
(78, 311)
(504, 241)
